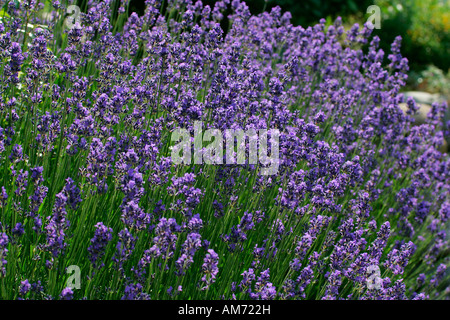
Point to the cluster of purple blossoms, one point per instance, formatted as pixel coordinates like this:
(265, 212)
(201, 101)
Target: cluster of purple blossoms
(264, 290)
(67, 294)
(58, 222)
(3, 253)
(135, 292)
(24, 288)
(190, 246)
(124, 247)
(192, 196)
(210, 268)
(103, 235)
(90, 107)
(239, 232)
(37, 198)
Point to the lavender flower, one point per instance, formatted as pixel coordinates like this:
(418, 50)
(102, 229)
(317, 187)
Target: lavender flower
(25, 287)
(190, 246)
(102, 237)
(3, 253)
(210, 269)
(135, 292)
(360, 182)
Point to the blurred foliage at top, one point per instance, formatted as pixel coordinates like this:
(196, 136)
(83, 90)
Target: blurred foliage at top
(308, 12)
(424, 26)
(304, 12)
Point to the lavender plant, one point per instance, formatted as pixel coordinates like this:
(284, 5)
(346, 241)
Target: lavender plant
(86, 115)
